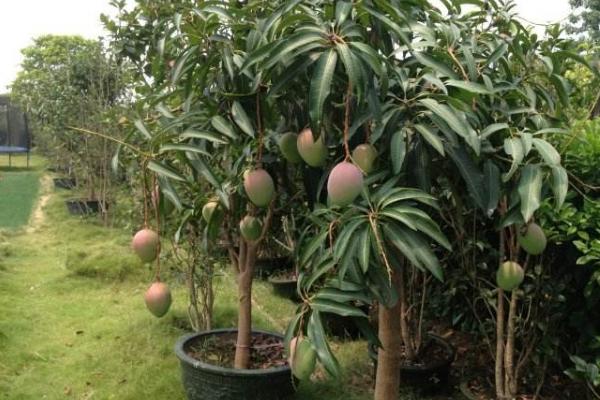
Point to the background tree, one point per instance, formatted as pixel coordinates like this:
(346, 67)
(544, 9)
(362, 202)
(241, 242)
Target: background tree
(585, 18)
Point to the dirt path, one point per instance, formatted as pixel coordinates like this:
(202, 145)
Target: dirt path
(38, 216)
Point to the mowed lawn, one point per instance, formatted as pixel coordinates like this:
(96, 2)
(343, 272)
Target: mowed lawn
(19, 186)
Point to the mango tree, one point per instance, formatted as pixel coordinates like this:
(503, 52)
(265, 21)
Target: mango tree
(437, 93)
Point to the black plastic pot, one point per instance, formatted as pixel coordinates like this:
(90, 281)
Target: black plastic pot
(285, 287)
(83, 207)
(429, 379)
(204, 381)
(64, 183)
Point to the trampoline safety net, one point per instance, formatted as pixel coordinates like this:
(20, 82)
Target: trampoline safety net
(14, 131)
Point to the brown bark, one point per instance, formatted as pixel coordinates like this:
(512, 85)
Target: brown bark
(387, 382)
(244, 335)
(407, 338)
(510, 383)
(499, 367)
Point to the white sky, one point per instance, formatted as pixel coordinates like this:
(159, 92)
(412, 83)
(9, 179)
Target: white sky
(21, 20)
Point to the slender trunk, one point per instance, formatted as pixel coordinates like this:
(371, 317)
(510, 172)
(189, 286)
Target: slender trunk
(409, 350)
(499, 367)
(510, 383)
(244, 337)
(387, 381)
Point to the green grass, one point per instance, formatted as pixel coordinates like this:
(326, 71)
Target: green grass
(18, 190)
(73, 322)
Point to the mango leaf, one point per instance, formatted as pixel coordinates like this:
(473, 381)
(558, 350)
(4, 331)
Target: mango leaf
(513, 148)
(454, 121)
(530, 190)
(548, 152)
(431, 138)
(241, 119)
(342, 11)
(398, 151)
(468, 86)
(560, 184)
(165, 170)
(320, 85)
(352, 67)
(527, 141)
(142, 128)
(342, 296)
(335, 307)
(223, 126)
(497, 53)
(485, 133)
(182, 147)
(491, 177)
(210, 136)
(472, 176)
(439, 67)
(316, 334)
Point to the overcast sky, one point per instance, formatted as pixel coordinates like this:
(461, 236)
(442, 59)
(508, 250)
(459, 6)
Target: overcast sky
(21, 20)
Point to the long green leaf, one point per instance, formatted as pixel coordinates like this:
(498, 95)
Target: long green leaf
(334, 307)
(560, 184)
(530, 190)
(182, 147)
(241, 119)
(547, 151)
(514, 148)
(223, 126)
(431, 138)
(468, 86)
(165, 170)
(398, 151)
(316, 334)
(210, 136)
(320, 86)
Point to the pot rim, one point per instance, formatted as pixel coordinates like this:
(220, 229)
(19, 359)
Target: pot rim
(197, 364)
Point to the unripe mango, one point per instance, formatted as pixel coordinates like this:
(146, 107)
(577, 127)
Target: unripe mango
(344, 184)
(209, 209)
(288, 145)
(532, 239)
(313, 153)
(364, 156)
(510, 275)
(302, 357)
(259, 187)
(250, 228)
(158, 299)
(145, 244)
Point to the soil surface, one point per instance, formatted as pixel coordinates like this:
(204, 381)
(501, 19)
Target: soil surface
(266, 351)
(432, 353)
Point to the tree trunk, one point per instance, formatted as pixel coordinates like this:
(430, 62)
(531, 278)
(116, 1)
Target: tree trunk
(405, 331)
(510, 383)
(244, 336)
(499, 367)
(387, 381)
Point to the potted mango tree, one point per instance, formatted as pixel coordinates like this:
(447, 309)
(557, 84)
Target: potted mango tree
(210, 124)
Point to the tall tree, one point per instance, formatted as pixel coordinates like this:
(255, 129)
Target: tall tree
(585, 18)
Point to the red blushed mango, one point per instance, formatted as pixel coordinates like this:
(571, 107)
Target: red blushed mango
(344, 184)
(158, 299)
(259, 187)
(145, 245)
